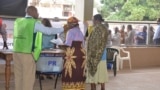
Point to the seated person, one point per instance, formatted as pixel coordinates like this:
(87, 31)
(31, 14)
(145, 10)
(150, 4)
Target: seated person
(46, 44)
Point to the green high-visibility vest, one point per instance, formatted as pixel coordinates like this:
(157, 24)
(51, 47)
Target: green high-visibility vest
(38, 46)
(24, 40)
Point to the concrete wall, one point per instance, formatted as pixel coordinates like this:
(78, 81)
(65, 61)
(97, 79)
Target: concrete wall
(143, 57)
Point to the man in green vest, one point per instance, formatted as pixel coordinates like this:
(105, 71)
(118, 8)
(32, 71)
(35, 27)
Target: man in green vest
(27, 47)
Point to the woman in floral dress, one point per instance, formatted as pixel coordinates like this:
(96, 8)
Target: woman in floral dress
(73, 77)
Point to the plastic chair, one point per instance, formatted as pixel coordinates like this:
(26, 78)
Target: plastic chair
(124, 58)
(112, 58)
(120, 58)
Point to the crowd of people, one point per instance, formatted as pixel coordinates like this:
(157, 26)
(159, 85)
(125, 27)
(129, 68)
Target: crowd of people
(85, 55)
(130, 36)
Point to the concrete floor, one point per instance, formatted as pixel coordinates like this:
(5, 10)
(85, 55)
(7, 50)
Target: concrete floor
(136, 79)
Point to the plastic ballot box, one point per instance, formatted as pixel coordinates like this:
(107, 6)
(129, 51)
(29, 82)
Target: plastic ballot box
(49, 63)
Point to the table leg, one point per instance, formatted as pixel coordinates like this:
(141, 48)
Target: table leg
(8, 59)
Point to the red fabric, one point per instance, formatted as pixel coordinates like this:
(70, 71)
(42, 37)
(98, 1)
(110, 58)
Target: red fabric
(0, 22)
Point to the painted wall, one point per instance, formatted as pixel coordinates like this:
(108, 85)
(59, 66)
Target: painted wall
(142, 57)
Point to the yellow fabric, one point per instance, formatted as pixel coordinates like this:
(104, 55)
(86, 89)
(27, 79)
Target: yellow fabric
(101, 75)
(90, 29)
(73, 86)
(96, 44)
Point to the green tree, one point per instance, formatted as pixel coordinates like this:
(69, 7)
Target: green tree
(132, 10)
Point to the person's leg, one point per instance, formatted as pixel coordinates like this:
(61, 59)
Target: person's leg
(17, 71)
(93, 86)
(5, 45)
(29, 69)
(103, 73)
(49, 77)
(102, 86)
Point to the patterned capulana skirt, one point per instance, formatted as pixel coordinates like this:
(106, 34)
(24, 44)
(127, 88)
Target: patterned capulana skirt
(73, 76)
(101, 76)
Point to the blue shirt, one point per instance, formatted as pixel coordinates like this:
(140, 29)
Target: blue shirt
(39, 27)
(104, 56)
(46, 44)
(143, 39)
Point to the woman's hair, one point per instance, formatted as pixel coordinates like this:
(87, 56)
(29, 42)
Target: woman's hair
(98, 17)
(46, 22)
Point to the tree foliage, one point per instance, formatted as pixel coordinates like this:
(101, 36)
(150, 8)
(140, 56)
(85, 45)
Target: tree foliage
(132, 10)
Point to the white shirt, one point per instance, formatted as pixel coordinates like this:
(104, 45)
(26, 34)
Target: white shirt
(116, 39)
(39, 27)
(157, 33)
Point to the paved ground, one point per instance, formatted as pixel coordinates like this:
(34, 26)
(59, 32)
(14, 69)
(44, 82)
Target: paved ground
(136, 79)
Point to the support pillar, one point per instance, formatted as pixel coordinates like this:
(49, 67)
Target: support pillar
(84, 12)
(84, 9)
